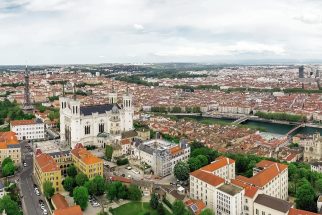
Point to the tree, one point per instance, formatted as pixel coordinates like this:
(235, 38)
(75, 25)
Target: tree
(181, 171)
(203, 160)
(80, 195)
(81, 178)
(207, 211)
(134, 193)
(8, 169)
(71, 171)
(6, 161)
(194, 163)
(108, 152)
(48, 189)
(69, 184)
(154, 201)
(160, 209)
(178, 208)
(11, 207)
(100, 184)
(318, 186)
(111, 191)
(305, 198)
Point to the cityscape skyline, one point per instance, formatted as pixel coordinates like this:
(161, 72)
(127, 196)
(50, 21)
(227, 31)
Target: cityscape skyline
(73, 32)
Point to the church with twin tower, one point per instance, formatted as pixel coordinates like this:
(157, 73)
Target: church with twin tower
(98, 125)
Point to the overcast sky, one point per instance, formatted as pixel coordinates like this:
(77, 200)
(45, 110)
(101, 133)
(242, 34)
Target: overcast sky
(135, 31)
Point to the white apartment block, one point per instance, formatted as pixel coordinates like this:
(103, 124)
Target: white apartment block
(222, 167)
(229, 200)
(205, 181)
(270, 178)
(28, 129)
(161, 155)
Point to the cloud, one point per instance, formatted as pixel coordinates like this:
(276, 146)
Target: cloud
(199, 50)
(138, 27)
(78, 31)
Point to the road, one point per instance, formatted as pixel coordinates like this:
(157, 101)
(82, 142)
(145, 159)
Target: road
(30, 200)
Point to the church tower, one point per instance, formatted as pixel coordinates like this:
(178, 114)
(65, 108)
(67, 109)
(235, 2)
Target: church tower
(128, 111)
(112, 96)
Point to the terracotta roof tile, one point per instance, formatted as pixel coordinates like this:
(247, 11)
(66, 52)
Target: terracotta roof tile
(73, 210)
(59, 201)
(218, 163)
(86, 156)
(200, 205)
(47, 163)
(209, 178)
(175, 150)
(22, 122)
(8, 138)
(250, 191)
(294, 211)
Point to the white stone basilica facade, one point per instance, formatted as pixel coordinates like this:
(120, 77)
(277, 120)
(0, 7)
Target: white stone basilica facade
(97, 125)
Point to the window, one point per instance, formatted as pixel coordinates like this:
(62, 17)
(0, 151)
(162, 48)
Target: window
(101, 127)
(87, 129)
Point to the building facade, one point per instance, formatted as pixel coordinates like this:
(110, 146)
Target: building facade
(96, 124)
(28, 129)
(161, 155)
(229, 200)
(46, 169)
(313, 148)
(10, 147)
(86, 162)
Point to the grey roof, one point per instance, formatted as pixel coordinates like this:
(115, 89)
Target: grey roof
(60, 153)
(146, 149)
(129, 134)
(230, 189)
(14, 146)
(89, 110)
(103, 134)
(1, 185)
(274, 203)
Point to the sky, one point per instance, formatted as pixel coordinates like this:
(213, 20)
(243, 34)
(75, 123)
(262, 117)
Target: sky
(138, 31)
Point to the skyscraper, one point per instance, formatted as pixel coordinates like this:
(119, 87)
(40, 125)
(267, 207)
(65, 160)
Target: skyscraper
(301, 72)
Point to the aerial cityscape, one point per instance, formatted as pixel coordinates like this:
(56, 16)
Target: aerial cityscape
(160, 107)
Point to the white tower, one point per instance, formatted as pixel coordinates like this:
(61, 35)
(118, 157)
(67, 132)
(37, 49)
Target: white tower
(112, 96)
(128, 111)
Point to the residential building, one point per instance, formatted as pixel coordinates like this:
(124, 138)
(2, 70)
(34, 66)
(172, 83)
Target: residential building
(229, 199)
(10, 147)
(63, 160)
(28, 129)
(83, 124)
(269, 177)
(62, 208)
(223, 167)
(268, 205)
(86, 162)
(316, 166)
(161, 155)
(313, 148)
(46, 169)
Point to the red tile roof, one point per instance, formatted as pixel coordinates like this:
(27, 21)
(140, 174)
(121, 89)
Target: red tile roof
(121, 179)
(175, 150)
(7, 138)
(207, 177)
(73, 210)
(86, 156)
(22, 122)
(294, 211)
(59, 201)
(218, 163)
(270, 170)
(198, 203)
(250, 191)
(47, 163)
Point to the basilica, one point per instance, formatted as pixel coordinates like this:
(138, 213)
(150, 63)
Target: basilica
(97, 125)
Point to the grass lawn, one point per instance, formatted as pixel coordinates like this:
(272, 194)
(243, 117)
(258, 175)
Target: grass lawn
(136, 208)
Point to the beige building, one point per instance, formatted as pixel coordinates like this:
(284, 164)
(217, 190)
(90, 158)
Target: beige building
(10, 147)
(313, 148)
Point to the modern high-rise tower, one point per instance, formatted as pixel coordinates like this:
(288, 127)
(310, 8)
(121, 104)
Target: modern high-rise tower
(301, 72)
(27, 106)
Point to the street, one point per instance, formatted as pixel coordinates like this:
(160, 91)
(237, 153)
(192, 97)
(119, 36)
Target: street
(30, 200)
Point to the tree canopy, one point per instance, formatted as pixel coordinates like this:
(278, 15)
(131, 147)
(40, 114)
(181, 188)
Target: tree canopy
(48, 189)
(181, 171)
(80, 195)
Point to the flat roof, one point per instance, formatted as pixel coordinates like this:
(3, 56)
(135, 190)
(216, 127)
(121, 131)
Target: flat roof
(230, 189)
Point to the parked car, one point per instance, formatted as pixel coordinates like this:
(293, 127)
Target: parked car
(44, 212)
(24, 164)
(129, 168)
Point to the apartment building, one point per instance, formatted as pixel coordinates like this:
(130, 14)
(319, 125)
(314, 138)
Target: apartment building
(28, 129)
(161, 155)
(63, 160)
(10, 147)
(86, 162)
(222, 167)
(204, 182)
(46, 169)
(270, 178)
(229, 200)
